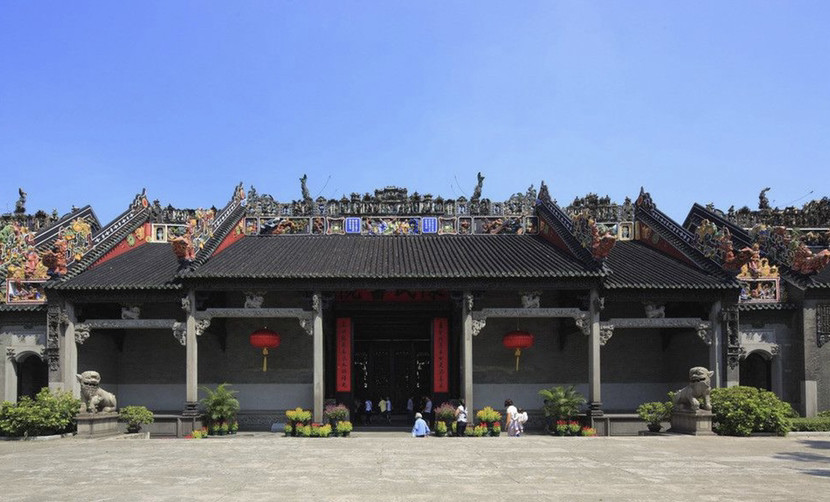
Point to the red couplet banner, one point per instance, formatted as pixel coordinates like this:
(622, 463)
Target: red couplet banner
(344, 354)
(440, 351)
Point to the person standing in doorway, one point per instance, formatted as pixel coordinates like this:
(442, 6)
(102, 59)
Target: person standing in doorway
(382, 408)
(460, 419)
(410, 408)
(428, 410)
(512, 417)
(368, 411)
(420, 429)
(388, 410)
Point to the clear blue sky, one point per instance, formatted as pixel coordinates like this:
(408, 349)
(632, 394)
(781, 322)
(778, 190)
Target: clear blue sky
(704, 101)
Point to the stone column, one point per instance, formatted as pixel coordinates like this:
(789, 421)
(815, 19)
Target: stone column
(191, 407)
(715, 349)
(467, 349)
(69, 353)
(317, 323)
(813, 361)
(594, 344)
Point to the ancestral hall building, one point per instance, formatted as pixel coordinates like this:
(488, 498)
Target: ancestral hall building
(409, 295)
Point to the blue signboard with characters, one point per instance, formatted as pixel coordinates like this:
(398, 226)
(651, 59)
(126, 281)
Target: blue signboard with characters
(429, 225)
(353, 225)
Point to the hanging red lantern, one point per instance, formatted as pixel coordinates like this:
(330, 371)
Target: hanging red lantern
(518, 340)
(265, 339)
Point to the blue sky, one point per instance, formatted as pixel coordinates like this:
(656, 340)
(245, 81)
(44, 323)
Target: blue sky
(697, 101)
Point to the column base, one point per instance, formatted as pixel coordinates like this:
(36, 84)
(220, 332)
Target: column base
(595, 409)
(191, 409)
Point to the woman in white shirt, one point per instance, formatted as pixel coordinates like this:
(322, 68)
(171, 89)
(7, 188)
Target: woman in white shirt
(460, 419)
(512, 417)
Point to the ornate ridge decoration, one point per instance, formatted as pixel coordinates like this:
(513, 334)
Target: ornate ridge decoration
(786, 246)
(644, 200)
(814, 214)
(602, 209)
(391, 210)
(717, 244)
(599, 241)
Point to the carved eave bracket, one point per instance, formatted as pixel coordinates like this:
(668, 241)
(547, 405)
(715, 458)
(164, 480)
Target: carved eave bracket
(201, 326)
(82, 332)
(606, 331)
(180, 333)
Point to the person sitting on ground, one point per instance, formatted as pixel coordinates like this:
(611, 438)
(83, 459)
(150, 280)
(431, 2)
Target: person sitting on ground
(420, 429)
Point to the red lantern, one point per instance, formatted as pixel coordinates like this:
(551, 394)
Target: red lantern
(265, 339)
(518, 340)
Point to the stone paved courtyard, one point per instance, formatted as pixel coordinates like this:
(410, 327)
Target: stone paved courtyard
(393, 466)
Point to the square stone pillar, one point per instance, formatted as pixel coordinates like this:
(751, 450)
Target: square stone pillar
(715, 356)
(69, 354)
(594, 344)
(467, 350)
(317, 323)
(191, 407)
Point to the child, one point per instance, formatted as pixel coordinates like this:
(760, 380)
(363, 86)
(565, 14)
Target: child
(521, 418)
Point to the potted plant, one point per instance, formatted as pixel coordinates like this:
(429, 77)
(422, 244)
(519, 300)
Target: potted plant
(220, 404)
(496, 430)
(487, 416)
(135, 416)
(654, 414)
(560, 403)
(440, 428)
(288, 430)
(344, 427)
(444, 414)
(334, 413)
(223, 428)
(298, 417)
(234, 427)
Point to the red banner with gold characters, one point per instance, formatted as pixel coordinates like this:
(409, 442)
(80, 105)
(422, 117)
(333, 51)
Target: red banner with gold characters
(344, 354)
(440, 351)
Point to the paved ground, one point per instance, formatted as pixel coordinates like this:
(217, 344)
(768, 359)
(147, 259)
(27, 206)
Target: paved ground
(392, 466)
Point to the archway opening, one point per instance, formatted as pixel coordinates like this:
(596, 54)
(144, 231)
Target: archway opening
(32, 375)
(756, 371)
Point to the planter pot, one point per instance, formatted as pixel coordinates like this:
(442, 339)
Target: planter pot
(132, 429)
(654, 427)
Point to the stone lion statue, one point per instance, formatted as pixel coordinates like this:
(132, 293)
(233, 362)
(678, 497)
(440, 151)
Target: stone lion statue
(94, 399)
(700, 384)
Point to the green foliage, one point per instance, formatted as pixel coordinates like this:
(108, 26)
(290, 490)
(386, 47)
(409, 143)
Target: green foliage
(344, 426)
(814, 424)
(220, 404)
(440, 428)
(336, 412)
(136, 416)
(488, 415)
(824, 414)
(740, 411)
(561, 403)
(288, 430)
(46, 414)
(298, 416)
(655, 412)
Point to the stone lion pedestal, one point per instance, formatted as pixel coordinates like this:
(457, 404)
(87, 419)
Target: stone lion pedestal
(696, 423)
(95, 425)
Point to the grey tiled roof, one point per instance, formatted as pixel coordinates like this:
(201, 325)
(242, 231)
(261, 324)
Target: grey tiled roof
(633, 264)
(149, 266)
(372, 257)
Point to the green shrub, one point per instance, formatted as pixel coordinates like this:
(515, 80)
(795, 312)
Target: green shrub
(655, 412)
(561, 403)
(824, 414)
(740, 411)
(220, 404)
(136, 416)
(814, 424)
(46, 414)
